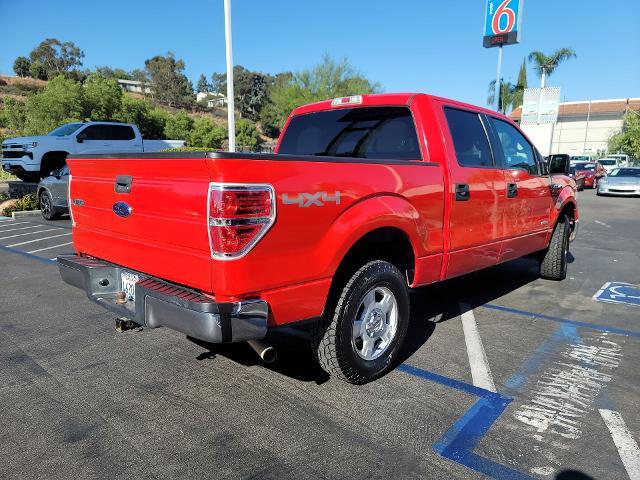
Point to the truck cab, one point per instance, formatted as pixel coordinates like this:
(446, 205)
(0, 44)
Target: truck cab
(32, 158)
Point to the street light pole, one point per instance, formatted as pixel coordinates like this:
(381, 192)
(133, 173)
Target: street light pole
(230, 106)
(498, 82)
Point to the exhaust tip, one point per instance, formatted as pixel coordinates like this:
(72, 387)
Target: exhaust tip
(267, 353)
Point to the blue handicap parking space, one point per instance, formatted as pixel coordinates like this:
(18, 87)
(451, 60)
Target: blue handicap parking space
(619, 292)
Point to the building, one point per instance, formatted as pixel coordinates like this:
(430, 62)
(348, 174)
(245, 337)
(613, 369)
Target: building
(213, 99)
(582, 127)
(133, 86)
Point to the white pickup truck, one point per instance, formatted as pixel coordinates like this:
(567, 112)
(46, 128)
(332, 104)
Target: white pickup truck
(33, 158)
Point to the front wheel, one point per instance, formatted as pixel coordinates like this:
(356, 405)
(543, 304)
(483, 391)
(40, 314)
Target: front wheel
(363, 332)
(554, 261)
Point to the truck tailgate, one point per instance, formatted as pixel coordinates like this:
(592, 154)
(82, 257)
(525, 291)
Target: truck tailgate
(164, 235)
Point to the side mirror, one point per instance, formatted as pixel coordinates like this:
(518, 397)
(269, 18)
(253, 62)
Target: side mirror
(81, 137)
(559, 165)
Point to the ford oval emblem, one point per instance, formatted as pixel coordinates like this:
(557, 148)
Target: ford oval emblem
(122, 209)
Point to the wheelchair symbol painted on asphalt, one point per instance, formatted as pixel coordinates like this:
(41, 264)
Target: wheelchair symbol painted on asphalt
(618, 292)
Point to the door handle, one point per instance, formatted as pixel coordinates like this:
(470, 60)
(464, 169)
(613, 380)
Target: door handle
(123, 184)
(462, 192)
(512, 190)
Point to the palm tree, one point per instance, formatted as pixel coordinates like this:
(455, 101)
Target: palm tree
(508, 95)
(546, 65)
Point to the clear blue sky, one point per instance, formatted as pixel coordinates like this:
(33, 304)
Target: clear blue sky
(405, 45)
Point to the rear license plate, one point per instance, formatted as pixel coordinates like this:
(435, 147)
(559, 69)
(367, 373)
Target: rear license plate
(128, 283)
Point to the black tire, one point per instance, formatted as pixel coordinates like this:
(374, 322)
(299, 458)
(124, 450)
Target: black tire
(554, 261)
(333, 337)
(47, 209)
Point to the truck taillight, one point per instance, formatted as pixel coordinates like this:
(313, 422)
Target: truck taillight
(239, 216)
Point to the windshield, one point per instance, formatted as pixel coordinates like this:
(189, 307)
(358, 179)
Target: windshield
(65, 130)
(585, 166)
(607, 162)
(625, 172)
(579, 157)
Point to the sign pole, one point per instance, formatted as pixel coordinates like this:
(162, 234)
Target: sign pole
(230, 105)
(498, 81)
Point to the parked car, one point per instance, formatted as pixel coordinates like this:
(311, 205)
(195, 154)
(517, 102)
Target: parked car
(53, 194)
(609, 164)
(367, 197)
(33, 158)
(592, 173)
(581, 158)
(621, 181)
(578, 176)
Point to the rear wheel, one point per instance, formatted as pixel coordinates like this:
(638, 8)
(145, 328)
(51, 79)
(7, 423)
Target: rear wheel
(554, 261)
(46, 206)
(363, 331)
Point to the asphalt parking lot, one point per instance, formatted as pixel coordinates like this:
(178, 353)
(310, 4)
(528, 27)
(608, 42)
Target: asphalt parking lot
(551, 389)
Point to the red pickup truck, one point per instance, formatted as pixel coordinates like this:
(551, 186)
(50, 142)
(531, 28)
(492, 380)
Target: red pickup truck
(367, 197)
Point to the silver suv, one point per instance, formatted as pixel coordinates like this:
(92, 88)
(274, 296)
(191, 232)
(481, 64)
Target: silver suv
(53, 194)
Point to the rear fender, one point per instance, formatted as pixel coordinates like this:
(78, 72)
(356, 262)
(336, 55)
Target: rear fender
(381, 211)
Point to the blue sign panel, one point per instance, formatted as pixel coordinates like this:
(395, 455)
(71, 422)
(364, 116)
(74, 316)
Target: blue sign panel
(502, 22)
(618, 292)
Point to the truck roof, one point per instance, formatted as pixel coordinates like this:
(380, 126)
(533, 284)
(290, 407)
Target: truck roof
(379, 99)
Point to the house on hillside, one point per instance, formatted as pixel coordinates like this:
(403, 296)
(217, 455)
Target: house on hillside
(134, 86)
(582, 127)
(213, 99)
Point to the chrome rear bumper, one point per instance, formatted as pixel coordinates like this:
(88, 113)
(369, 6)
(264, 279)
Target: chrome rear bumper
(163, 304)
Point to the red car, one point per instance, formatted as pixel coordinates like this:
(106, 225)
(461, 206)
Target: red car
(578, 176)
(367, 197)
(592, 173)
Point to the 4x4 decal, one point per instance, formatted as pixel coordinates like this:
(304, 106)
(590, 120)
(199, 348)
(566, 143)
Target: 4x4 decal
(304, 200)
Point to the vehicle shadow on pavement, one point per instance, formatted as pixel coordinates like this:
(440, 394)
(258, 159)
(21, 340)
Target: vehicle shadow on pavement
(440, 302)
(430, 306)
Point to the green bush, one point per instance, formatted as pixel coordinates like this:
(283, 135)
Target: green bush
(191, 149)
(247, 135)
(26, 203)
(178, 126)
(206, 133)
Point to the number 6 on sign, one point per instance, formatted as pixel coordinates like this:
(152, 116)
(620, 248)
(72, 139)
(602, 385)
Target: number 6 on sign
(502, 22)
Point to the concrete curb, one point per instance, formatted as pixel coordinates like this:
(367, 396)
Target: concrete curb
(26, 214)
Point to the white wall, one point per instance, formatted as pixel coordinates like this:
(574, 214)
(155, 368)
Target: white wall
(569, 134)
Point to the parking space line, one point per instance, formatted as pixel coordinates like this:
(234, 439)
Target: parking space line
(480, 371)
(21, 228)
(576, 323)
(30, 233)
(10, 224)
(626, 445)
(37, 240)
(49, 248)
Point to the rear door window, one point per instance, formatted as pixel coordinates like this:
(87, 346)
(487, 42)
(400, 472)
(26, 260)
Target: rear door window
(365, 132)
(469, 138)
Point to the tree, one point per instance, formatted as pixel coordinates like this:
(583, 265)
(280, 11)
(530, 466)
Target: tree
(178, 126)
(102, 98)
(628, 140)
(60, 102)
(169, 83)
(206, 134)
(521, 85)
(21, 66)
(13, 115)
(247, 135)
(328, 79)
(116, 73)
(202, 85)
(546, 65)
(53, 57)
(151, 121)
(250, 90)
(508, 94)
